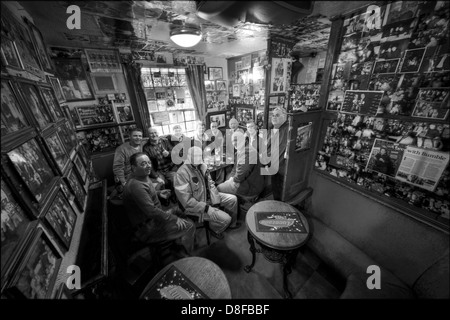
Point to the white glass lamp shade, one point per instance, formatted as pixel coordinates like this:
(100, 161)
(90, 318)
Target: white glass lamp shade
(186, 37)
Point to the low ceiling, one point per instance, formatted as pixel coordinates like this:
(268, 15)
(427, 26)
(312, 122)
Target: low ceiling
(145, 25)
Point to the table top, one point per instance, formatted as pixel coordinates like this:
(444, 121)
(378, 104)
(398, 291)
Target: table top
(276, 240)
(205, 274)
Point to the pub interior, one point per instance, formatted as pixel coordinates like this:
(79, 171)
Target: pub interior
(225, 150)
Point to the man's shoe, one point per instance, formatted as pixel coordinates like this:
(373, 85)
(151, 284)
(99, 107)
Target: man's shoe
(237, 226)
(216, 235)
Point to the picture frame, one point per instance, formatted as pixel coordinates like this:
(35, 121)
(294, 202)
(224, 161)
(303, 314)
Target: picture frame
(17, 223)
(221, 85)
(33, 168)
(64, 135)
(61, 218)
(52, 103)
(57, 150)
(215, 73)
(236, 90)
(220, 117)
(243, 114)
(39, 47)
(77, 188)
(41, 255)
(32, 99)
(9, 54)
(101, 60)
(54, 82)
(303, 136)
(104, 83)
(101, 139)
(73, 79)
(13, 118)
(80, 168)
(124, 112)
(210, 85)
(95, 115)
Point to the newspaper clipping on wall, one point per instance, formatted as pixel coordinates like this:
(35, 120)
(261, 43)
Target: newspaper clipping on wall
(422, 167)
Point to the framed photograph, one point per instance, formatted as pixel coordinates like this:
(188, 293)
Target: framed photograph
(9, 54)
(303, 138)
(412, 60)
(124, 113)
(104, 83)
(219, 117)
(385, 66)
(35, 170)
(57, 150)
(215, 73)
(52, 103)
(221, 85)
(103, 60)
(40, 48)
(210, 85)
(32, 99)
(66, 190)
(37, 272)
(73, 80)
(65, 137)
(236, 90)
(96, 114)
(57, 88)
(426, 109)
(16, 224)
(244, 114)
(100, 140)
(61, 218)
(13, 118)
(279, 75)
(80, 167)
(77, 187)
(362, 102)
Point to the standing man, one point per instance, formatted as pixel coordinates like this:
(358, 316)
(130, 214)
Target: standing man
(198, 195)
(151, 223)
(281, 126)
(121, 163)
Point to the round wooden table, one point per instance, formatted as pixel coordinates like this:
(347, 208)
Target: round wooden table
(203, 273)
(279, 247)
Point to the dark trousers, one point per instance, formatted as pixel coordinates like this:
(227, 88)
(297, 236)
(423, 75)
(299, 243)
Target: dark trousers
(277, 186)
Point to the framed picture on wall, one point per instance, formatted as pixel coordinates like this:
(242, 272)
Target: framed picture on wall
(32, 166)
(78, 190)
(57, 150)
(37, 272)
(236, 90)
(124, 113)
(61, 218)
(244, 114)
(104, 83)
(221, 85)
(96, 114)
(57, 88)
(219, 117)
(73, 79)
(52, 103)
(39, 46)
(32, 99)
(13, 118)
(65, 138)
(80, 168)
(303, 137)
(103, 60)
(16, 225)
(215, 73)
(10, 56)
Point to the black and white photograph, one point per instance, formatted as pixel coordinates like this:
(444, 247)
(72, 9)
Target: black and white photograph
(362, 102)
(57, 150)
(30, 93)
(13, 118)
(424, 109)
(10, 56)
(52, 103)
(385, 66)
(412, 60)
(385, 157)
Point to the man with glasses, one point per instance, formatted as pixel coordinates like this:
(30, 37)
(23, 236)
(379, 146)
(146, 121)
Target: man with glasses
(279, 121)
(151, 223)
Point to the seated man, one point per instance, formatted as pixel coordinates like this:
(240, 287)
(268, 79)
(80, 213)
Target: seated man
(215, 138)
(158, 150)
(251, 135)
(175, 138)
(245, 179)
(200, 139)
(198, 195)
(121, 163)
(151, 223)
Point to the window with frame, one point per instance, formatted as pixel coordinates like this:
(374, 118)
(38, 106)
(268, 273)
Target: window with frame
(168, 100)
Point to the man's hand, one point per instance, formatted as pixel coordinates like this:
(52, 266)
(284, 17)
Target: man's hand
(165, 193)
(160, 180)
(181, 223)
(166, 153)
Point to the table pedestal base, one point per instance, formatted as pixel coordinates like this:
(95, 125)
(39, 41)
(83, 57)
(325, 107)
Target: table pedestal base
(285, 257)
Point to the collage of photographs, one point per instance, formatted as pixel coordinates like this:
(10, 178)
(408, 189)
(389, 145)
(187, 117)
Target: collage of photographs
(389, 50)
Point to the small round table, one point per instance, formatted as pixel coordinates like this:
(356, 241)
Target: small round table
(279, 247)
(205, 274)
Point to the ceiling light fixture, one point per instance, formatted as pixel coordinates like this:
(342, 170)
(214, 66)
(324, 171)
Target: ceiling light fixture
(186, 35)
